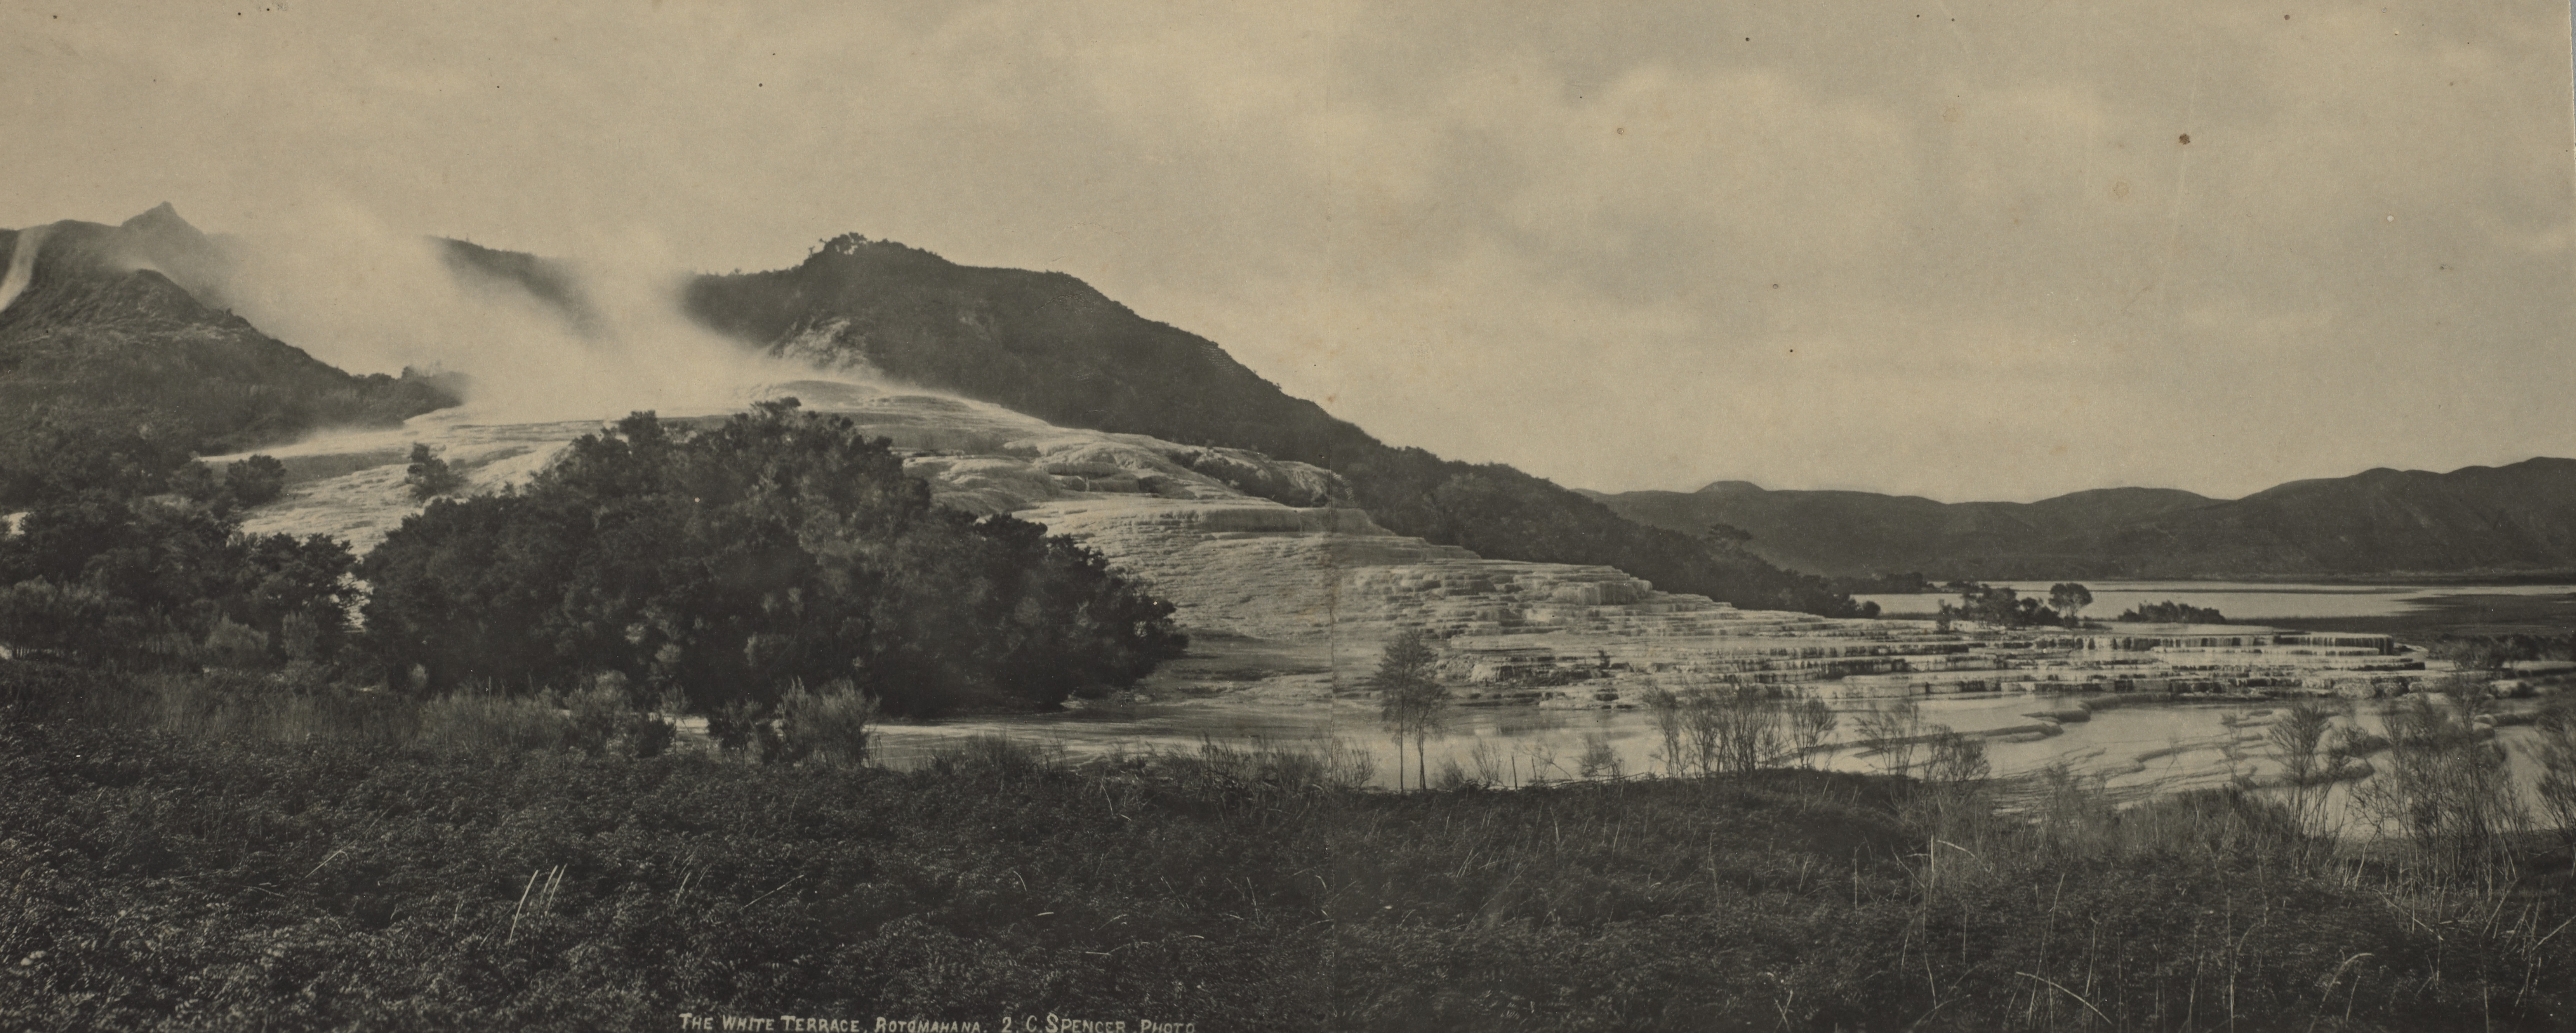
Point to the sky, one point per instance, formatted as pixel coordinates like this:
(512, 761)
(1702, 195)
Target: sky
(1958, 249)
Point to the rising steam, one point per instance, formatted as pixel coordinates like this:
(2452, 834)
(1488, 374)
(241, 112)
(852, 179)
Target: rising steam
(22, 263)
(369, 300)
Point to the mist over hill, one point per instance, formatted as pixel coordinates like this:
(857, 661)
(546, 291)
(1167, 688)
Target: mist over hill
(118, 361)
(2478, 519)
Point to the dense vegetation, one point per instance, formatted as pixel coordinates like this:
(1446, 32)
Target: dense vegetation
(427, 476)
(1866, 534)
(112, 377)
(1907, 583)
(729, 563)
(2003, 607)
(160, 583)
(2170, 612)
(1049, 345)
(354, 871)
(2496, 652)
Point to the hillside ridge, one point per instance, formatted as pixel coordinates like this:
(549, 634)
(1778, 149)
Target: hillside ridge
(117, 362)
(2519, 516)
(1051, 346)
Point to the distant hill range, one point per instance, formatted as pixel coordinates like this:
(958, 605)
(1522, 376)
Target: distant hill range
(118, 360)
(2476, 519)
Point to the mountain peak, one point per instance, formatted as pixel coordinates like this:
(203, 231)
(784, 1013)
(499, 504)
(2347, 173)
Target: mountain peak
(162, 240)
(162, 218)
(1728, 487)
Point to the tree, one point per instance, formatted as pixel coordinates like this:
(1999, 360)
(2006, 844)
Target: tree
(256, 480)
(1734, 727)
(1811, 722)
(248, 482)
(428, 474)
(195, 483)
(2000, 606)
(1411, 699)
(2170, 612)
(1892, 731)
(148, 582)
(2069, 599)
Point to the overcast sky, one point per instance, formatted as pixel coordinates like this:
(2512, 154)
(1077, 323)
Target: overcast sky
(1959, 249)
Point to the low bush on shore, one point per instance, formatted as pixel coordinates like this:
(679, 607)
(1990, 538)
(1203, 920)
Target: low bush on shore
(368, 879)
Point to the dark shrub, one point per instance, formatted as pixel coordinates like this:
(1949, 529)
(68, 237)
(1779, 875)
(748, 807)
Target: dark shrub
(731, 562)
(256, 480)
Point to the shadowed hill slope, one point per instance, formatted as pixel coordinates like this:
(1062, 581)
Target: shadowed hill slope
(1049, 345)
(2475, 519)
(1858, 532)
(111, 370)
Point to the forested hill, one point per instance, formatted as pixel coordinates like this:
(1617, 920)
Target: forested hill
(1048, 345)
(116, 363)
(1858, 532)
(2477, 519)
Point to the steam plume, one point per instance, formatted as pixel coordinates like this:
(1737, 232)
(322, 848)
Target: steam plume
(22, 263)
(366, 299)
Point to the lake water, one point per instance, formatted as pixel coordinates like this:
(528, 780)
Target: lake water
(2240, 601)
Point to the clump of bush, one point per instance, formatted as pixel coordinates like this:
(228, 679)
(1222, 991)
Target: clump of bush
(2004, 607)
(728, 563)
(828, 727)
(596, 721)
(255, 481)
(2170, 612)
(170, 585)
(2496, 652)
(429, 476)
(482, 722)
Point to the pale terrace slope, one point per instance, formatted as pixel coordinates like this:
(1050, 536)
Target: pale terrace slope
(1574, 635)
(1207, 527)
(977, 457)
(350, 486)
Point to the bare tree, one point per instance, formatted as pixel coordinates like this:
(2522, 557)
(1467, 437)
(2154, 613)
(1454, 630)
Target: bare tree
(2556, 752)
(1811, 722)
(2296, 738)
(1731, 727)
(1893, 730)
(1957, 758)
(1666, 706)
(2445, 787)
